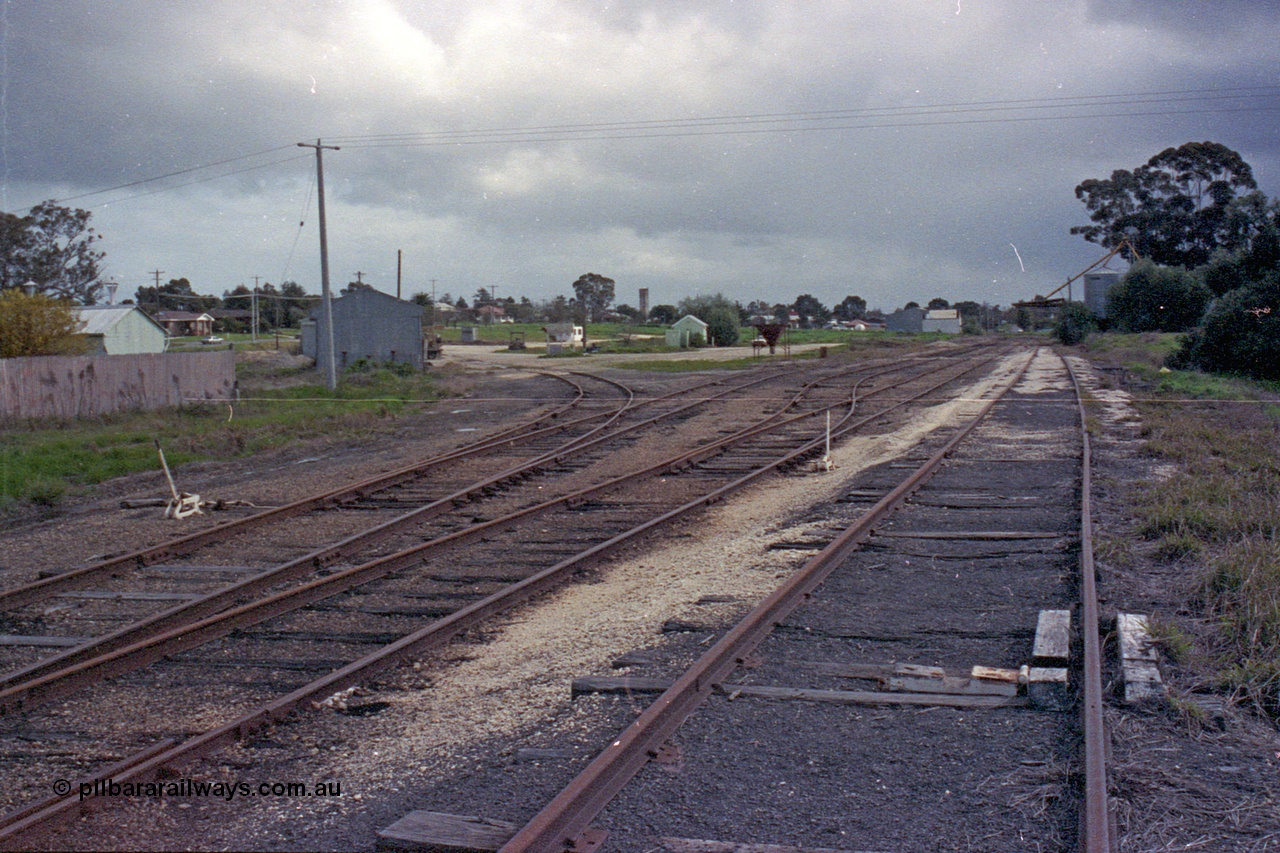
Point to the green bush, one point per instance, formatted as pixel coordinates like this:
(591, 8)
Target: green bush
(1240, 334)
(719, 313)
(1151, 298)
(722, 326)
(1075, 323)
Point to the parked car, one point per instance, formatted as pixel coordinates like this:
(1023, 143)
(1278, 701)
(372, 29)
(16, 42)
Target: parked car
(213, 339)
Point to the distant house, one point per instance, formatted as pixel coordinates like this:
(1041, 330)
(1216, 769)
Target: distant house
(685, 332)
(119, 330)
(185, 323)
(945, 320)
(905, 320)
(227, 319)
(367, 324)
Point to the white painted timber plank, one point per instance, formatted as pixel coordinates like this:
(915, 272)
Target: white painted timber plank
(1053, 636)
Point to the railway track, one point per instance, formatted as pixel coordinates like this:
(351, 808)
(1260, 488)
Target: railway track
(177, 581)
(345, 624)
(845, 712)
(336, 564)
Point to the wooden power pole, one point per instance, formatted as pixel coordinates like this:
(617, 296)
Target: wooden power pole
(330, 365)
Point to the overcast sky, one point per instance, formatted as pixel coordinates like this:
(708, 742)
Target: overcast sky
(893, 149)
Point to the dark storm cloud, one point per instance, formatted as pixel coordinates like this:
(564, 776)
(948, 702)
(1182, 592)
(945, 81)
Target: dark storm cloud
(1192, 17)
(99, 95)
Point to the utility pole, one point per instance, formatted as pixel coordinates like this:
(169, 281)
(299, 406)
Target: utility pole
(256, 313)
(399, 268)
(330, 366)
(157, 273)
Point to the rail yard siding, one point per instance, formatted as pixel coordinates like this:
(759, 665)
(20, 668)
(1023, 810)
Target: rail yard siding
(79, 386)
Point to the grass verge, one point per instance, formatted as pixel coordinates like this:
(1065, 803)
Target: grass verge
(1218, 508)
(45, 461)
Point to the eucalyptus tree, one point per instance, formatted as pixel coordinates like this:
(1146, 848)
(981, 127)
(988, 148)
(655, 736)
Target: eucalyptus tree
(1175, 210)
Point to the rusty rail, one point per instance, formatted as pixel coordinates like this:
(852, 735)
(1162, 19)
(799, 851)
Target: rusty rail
(179, 546)
(216, 614)
(27, 593)
(1096, 830)
(151, 762)
(188, 613)
(558, 826)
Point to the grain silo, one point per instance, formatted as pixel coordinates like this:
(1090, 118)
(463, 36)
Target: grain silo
(1096, 285)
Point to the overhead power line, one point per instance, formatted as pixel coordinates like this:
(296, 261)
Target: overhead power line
(188, 171)
(204, 180)
(662, 134)
(1014, 110)
(1020, 110)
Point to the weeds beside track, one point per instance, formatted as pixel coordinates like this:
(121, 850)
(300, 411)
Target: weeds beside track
(1212, 517)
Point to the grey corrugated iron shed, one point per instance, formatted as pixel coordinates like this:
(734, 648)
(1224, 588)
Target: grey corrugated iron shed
(367, 324)
(905, 320)
(945, 320)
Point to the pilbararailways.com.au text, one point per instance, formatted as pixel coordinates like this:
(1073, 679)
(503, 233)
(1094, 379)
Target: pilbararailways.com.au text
(180, 788)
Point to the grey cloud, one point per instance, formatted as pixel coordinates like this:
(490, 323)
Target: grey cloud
(1191, 17)
(100, 95)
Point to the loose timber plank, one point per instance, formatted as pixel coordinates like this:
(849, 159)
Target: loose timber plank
(165, 567)
(870, 697)
(1138, 659)
(693, 845)
(626, 684)
(979, 536)
(654, 686)
(434, 832)
(111, 595)
(1053, 637)
(953, 685)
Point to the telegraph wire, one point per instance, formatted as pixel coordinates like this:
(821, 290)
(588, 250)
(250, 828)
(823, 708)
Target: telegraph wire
(204, 180)
(801, 129)
(186, 171)
(500, 134)
(302, 221)
(866, 118)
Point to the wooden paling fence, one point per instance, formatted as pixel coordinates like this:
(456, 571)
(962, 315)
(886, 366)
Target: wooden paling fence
(80, 386)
